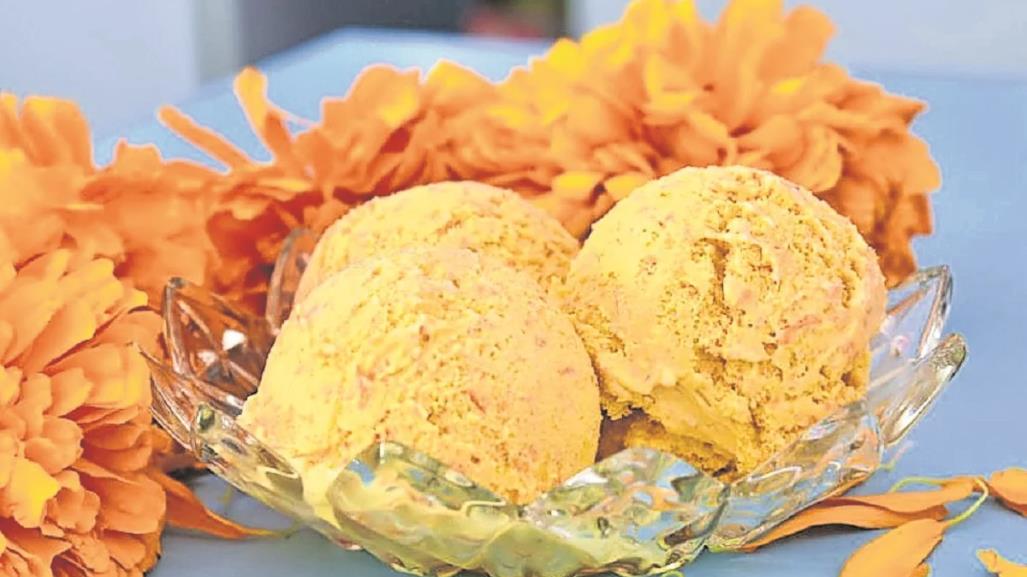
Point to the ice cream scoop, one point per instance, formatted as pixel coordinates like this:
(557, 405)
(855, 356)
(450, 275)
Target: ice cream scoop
(725, 310)
(470, 215)
(446, 351)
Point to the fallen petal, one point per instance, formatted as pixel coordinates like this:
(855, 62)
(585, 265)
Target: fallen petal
(858, 515)
(913, 501)
(185, 511)
(999, 565)
(1010, 487)
(897, 553)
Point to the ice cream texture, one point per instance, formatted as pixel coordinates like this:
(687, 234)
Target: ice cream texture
(463, 214)
(726, 310)
(446, 351)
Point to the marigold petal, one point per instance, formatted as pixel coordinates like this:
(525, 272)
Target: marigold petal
(668, 92)
(686, 147)
(55, 132)
(91, 418)
(94, 284)
(10, 381)
(710, 128)
(390, 95)
(999, 565)
(57, 447)
(135, 505)
(859, 200)
(113, 437)
(127, 459)
(251, 89)
(90, 469)
(153, 550)
(413, 159)
(27, 309)
(570, 152)
(898, 552)
(1010, 487)
(10, 444)
(820, 166)
(279, 141)
(10, 130)
(452, 88)
(739, 12)
(854, 515)
(25, 496)
(577, 184)
(745, 30)
(34, 400)
(69, 389)
(778, 133)
(564, 58)
(74, 508)
(118, 375)
(37, 551)
(71, 325)
(910, 215)
(126, 550)
(807, 31)
(595, 121)
(203, 138)
(898, 162)
(911, 502)
(622, 185)
(648, 19)
(91, 554)
(48, 267)
(602, 204)
(187, 512)
(267, 122)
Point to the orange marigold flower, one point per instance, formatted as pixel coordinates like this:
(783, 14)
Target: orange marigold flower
(75, 436)
(79, 491)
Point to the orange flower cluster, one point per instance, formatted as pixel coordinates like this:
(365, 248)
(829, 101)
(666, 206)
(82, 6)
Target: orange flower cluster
(132, 211)
(580, 127)
(76, 497)
(78, 493)
(75, 438)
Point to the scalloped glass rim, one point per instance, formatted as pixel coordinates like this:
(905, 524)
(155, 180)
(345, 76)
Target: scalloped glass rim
(637, 512)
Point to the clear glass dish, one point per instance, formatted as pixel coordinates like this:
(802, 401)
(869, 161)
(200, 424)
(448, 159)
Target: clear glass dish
(637, 512)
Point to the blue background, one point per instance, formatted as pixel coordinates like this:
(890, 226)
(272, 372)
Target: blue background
(978, 134)
(119, 60)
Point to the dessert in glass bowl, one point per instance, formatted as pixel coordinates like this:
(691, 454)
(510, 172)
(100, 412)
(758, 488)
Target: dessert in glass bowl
(747, 358)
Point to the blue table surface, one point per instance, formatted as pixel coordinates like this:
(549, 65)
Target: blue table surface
(977, 130)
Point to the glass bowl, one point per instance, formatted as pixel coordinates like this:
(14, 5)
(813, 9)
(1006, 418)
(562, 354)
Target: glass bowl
(637, 512)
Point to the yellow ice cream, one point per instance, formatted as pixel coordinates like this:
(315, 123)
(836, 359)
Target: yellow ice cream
(469, 215)
(725, 309)
(446, 351)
